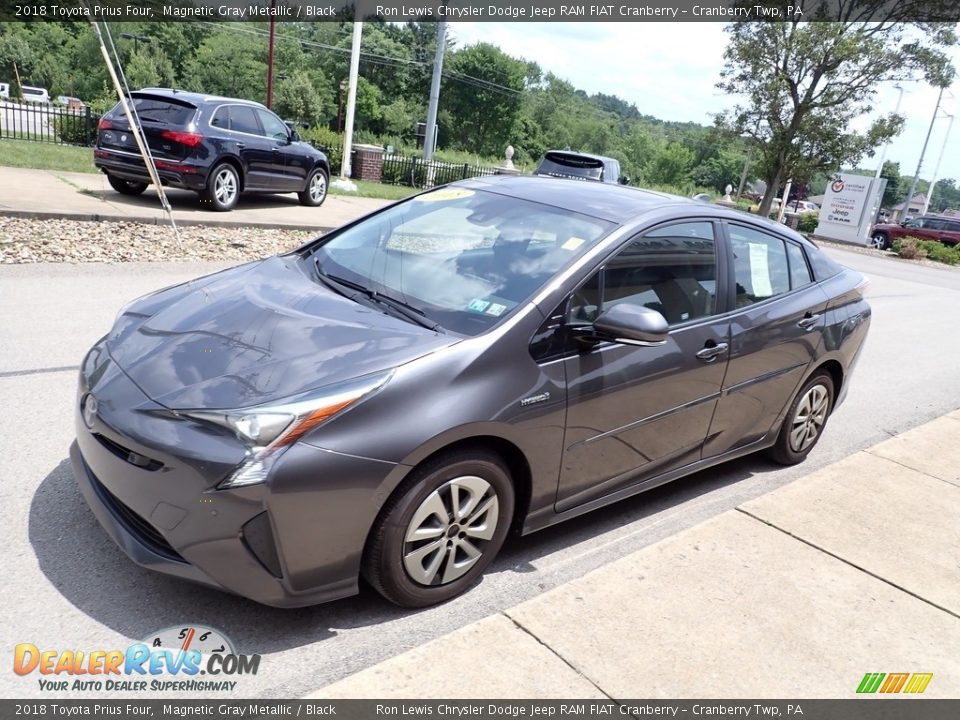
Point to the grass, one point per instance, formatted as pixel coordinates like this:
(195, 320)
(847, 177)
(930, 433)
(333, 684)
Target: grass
(46, 156)
(70, 158)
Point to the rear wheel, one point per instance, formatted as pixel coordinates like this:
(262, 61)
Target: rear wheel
(879, 241)
(126, 187)
(805, 420)
(223, 188)
(440, 530)
(316, 190)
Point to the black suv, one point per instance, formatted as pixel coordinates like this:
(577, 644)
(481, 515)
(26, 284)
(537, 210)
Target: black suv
(218, 147)
(582, 166)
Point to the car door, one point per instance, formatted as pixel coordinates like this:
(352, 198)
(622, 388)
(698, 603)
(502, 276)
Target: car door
(289, 173)
(776, 329)
(255, 150)
(635, 412)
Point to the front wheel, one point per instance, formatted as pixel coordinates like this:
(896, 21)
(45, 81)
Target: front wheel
(879, 241)
(316, 190)
(440, 529)
(126, 187)
(805, 420)
(223, 188)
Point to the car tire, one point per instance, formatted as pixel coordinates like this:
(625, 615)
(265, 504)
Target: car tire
(126, 187)
(879, 241)
(422, 551)
(223, 188)
(316, 189)
(805, 420)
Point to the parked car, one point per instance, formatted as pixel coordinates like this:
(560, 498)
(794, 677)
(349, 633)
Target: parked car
(35, 94)
(581, 166)
(215, 146)
(389, 400)
(925, 227)
(5, 91)
(71, 103)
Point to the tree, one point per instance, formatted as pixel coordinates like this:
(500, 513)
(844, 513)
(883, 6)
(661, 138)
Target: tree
(892, 192)
(483, 90)
(230, 65)
(298, 98)
(946, 196)
(804, 83)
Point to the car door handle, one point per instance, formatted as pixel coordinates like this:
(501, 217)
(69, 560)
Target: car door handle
(808, 321)
(709, 354)
(241, 145)
(276, 149)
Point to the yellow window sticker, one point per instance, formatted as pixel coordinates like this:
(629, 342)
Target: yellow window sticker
(573, 243)
(445, 194)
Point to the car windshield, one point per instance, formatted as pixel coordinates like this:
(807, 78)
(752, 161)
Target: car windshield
(577, 166)
(462, 258)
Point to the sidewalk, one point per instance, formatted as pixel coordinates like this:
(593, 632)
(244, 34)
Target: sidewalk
(85, 196)
(796, 594)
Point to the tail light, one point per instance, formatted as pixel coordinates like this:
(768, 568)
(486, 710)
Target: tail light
(190, 139)
(104, 124)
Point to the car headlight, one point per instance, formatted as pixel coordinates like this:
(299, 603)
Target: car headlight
(268, 430)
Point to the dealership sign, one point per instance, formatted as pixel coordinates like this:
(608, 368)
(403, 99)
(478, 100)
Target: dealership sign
(849, 206)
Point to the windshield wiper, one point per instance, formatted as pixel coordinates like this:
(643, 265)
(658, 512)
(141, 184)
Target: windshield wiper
(340, 285)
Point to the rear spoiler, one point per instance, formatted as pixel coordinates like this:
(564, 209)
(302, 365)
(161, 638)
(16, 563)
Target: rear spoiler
(172, 99)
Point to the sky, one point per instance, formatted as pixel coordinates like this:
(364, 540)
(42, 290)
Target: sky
(669, 70)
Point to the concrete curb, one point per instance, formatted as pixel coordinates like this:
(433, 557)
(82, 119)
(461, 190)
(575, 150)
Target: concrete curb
(154, 220)
(797, 593)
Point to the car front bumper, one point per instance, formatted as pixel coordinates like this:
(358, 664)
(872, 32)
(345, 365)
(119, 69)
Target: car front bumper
(151, 479)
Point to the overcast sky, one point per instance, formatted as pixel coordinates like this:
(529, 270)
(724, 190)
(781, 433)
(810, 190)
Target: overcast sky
(669, 70)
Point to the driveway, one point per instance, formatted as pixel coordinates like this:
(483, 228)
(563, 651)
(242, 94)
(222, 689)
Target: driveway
(69, 587)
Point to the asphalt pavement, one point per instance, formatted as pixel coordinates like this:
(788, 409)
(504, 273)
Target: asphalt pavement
(71, 588)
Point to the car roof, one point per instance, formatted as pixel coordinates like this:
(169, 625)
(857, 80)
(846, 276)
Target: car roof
(195, 98)
(619, 204)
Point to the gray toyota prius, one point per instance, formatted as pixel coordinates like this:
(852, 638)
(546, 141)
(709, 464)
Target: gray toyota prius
(390, 400)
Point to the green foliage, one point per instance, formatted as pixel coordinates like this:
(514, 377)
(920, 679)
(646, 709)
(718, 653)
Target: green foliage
(806, 83)
(329, 141)
(808, 222)
(230, 65)
(76, 129)
(909, 248)
(298, 98)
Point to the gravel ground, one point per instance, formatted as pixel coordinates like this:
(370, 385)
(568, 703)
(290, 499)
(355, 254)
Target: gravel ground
(33, 241)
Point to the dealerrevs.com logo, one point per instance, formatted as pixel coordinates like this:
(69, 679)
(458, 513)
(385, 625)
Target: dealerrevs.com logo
(184, 658)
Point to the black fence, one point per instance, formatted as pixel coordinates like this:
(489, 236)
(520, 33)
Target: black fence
(418, 173)
(48, 123)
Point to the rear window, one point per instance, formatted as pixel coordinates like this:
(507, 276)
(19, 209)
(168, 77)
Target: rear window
(571, 166)
(160, 111)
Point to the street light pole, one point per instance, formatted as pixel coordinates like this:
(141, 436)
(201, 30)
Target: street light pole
(883, 149)
(936, 170)
(916, 175)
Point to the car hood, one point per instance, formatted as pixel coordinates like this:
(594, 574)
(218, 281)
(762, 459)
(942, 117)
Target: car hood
(256, 334)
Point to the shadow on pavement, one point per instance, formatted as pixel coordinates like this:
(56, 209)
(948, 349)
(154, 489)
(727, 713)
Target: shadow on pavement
(186, 200)
(85, 566)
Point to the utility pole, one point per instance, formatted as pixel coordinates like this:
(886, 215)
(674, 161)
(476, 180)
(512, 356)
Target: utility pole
(883, 154)
(270, 43)
(430, 139)
(351, 97)
(916, 175)
(936, 170)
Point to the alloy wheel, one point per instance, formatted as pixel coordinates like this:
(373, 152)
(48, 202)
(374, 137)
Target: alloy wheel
(878, 242)
(449, 531)
(318, 187)
(225, 187)
(809, 418)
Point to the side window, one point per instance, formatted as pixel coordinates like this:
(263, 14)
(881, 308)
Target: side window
(759, 264)
(273, 127)
(933, 224)
(671, 269)
(799, 272)
(243, 119)
(221, 118)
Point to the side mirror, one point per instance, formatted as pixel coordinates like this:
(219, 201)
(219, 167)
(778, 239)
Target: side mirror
(294, 136)
(631, 325)
(623, 180)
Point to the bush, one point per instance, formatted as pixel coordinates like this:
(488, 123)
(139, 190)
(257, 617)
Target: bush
(909, 248)
(808, 222)
(939, 252)
(76, 128)
(328, 141)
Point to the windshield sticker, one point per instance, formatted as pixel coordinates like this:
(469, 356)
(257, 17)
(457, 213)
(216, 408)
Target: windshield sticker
(496, 309)
(760, 270)
(478, 305)
(447, 194)
(573, 243)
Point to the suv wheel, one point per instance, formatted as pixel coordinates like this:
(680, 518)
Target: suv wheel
(126, 187)
(223, 188)
(316, 191)
(879, 241)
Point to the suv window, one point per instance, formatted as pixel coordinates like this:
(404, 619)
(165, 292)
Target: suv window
(161, 111)
(221, 118)
(571, 165)
(934, 224)
(671, 269)
(952, 226)
(760, 265)
(273, 127)
(243, 119)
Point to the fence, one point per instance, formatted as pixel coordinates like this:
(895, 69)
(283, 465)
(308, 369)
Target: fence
(47, 123)
(415, 172)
